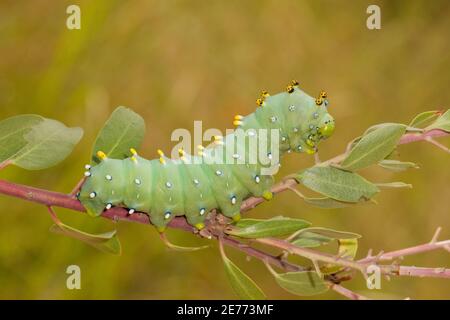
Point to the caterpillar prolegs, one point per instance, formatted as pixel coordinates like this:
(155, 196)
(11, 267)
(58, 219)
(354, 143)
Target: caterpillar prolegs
(193, 185)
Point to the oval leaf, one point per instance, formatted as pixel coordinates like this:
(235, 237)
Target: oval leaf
(125, 129)
(274, 227)
(48, 143)
(442, 123)
(338, 184)
(347, 249)
(107, 242)
(314, 237)
(302, 283)
(423, 118)
(242, 284)
(374, 146)
(398, 184)
(12, 134)
(397, 166)
(329, 203)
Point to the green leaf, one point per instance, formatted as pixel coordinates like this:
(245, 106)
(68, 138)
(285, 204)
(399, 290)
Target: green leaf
(347, 249)
(397, 166)
(242, 284)
(106, 242)
(243, 223)
(48, 143)
(12, 134)
(314, 237)
(442, 123)
(337, 184)
(398, 184)
(125, 129)
(423, 118)
(302, 283)
(329, 203)
(374, 146)
(274, 227)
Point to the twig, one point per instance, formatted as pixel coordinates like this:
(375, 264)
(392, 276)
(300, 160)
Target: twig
(437, 144)
(347, 293)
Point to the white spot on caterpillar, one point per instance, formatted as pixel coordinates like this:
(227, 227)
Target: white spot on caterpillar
(251, 133)
(295, 129)
(87, 166)
(131, 211)
(316, 115)
(257, 179)
(291, 108)
(92, 195)
(273, 119)
(168, 185)
(108, 206)
(108, 177)
(283, 139)
(202, 211)
(299, 148)
(311, 126)
(236, 156)
(87, 174)
(233, 200)
(137, 181)
(167, 215)
(218, 172)
(269, 155)
(195, 181)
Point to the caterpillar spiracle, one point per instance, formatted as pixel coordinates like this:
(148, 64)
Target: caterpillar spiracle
(189, 186)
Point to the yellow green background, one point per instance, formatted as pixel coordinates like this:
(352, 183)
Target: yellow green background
(174, 62)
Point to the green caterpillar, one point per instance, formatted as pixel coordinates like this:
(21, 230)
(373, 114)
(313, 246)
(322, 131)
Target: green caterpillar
(194, 185)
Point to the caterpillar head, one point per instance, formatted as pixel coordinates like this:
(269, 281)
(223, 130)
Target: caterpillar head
(303, 121)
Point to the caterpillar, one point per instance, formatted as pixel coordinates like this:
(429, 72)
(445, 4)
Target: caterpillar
(190, 186)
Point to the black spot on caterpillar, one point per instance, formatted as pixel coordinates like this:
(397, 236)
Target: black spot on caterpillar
(164, 188)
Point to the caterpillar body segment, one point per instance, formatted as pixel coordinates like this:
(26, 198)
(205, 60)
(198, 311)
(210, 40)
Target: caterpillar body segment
(222, 175)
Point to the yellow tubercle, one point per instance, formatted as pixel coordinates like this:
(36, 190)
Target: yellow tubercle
(162, 161)
(264, 94)
(310, 151)
(101, 155)
(238, 117)
(133, 151)
(237, 123)
(218, 139)
(294, 83)
(310, 143)
(199, 225)
(259, 102)
(134, 159)
(267, 195)
(159, 151)
(237, 217)
(290, 89)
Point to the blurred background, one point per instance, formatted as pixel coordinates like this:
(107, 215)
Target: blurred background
(174, 62)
